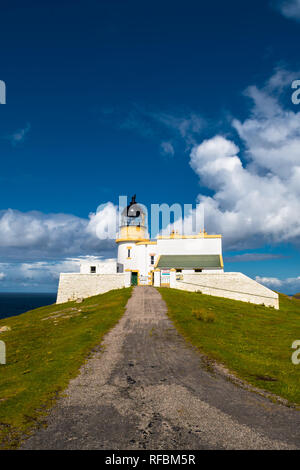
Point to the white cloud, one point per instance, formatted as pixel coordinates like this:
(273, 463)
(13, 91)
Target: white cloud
(35, 235)
(271, 133)
(259, 200)
(186, 126)
(40, 275)
(19, 136)
(40, 270)
(167, 148)
(290, 285)
(166, 127)
(103, 224)
(251, 257)
(289, 8)
(269, 281)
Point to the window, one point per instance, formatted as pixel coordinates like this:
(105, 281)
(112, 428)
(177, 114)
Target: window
(152, 259)
(198, 270)
(128, 253)
(93, 269)
(178, 270)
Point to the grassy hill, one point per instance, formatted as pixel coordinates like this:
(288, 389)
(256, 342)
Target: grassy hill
(297, 296)
(251, 340)
(47, 346)
(45, 349)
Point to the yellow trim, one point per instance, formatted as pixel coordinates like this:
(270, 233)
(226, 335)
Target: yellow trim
(128, 248)
(221, 261)
(152, 255)
(138, 240)
(157, 261)
(173, 269)
(150, 278)
(146, 242)
(177, 236)
(135, 271)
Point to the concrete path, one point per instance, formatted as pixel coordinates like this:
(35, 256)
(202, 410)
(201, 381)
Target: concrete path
(150, 390)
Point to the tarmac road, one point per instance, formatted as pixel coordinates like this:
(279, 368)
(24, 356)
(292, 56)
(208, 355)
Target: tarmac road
(148, 389)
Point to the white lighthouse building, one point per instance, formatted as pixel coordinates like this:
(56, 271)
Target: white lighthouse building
(187, 262)
(143, 257)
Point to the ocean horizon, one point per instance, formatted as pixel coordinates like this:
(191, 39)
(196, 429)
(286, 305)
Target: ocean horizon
(15, 303)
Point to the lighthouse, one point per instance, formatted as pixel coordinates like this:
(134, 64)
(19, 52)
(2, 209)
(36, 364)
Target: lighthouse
(191, 262)
(133, 232)
(151, 262)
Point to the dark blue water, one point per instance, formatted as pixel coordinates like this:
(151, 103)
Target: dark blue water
(12, 304)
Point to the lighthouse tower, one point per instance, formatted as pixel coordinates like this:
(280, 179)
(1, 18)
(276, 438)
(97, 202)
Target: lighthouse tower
(133, 231)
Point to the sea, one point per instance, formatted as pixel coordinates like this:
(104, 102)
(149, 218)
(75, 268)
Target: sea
(12, 304)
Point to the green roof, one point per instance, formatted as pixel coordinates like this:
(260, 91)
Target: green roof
(189, 261)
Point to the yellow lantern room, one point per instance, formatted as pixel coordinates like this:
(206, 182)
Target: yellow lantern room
(133, 223)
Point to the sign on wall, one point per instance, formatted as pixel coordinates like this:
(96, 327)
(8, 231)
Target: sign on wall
(165, 276)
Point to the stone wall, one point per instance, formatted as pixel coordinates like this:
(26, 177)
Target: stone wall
(73, 286)
(234, 286)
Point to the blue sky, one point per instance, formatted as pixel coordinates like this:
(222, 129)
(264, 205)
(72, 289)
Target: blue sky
(106, 98)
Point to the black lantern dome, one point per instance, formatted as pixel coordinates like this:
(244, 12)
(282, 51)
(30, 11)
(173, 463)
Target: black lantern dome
(133, 214)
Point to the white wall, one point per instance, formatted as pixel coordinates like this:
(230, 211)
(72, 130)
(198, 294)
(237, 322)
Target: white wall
(74, 286)
(144, 257)
(139, 258)
(234, 286)
(102, 267)
(190, 246)
(128, 263)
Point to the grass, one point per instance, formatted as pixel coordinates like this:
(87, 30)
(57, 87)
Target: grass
(251, 340)
(45, 349)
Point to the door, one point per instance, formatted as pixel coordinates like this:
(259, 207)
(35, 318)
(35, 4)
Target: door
(134, 278)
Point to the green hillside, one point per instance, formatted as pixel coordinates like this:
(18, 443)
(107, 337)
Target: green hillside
(251, 340)
(297, 296)
(47, 346)
(45, 349)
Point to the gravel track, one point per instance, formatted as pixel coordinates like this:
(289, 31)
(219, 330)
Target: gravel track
(149, 389)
